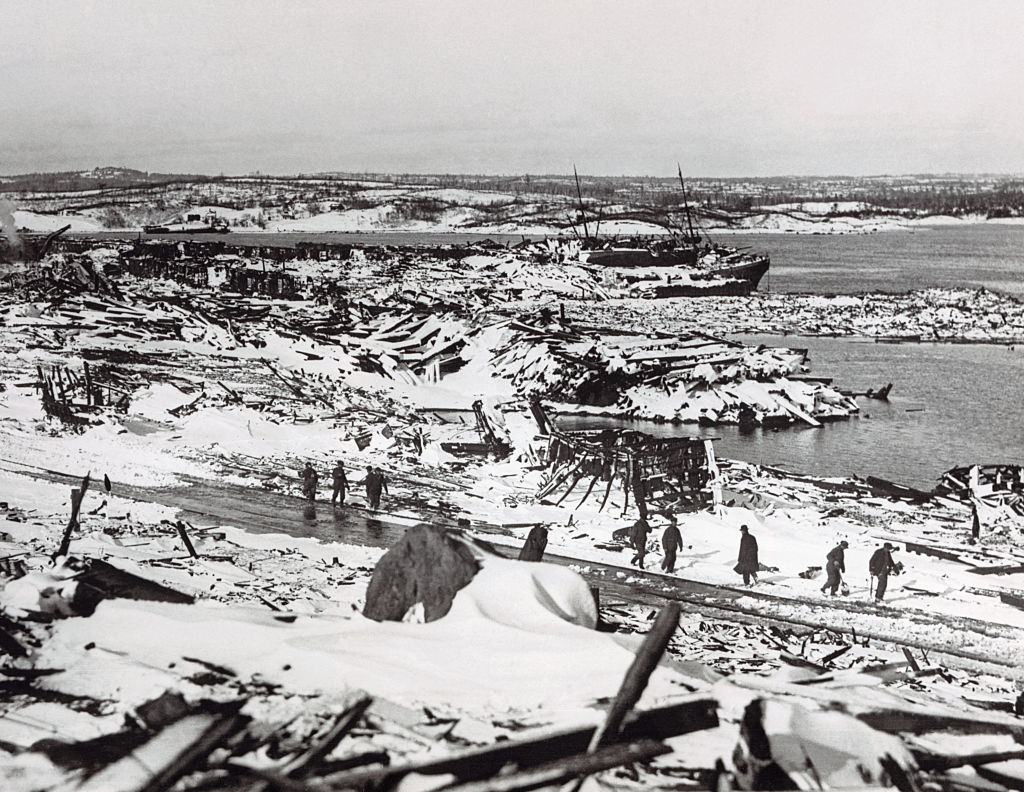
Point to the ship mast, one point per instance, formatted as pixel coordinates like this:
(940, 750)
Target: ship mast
(579, 194)
(686, 205)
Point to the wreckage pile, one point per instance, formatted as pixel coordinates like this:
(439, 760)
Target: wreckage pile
(964, 315)
(696, 378)
(994, 485)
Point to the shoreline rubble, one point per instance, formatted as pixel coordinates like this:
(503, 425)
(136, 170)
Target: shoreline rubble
(161, 384)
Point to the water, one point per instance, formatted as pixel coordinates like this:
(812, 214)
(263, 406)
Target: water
(989, 256)
(951, 404)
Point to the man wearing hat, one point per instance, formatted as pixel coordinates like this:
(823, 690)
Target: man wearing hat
(880, 566)
(748, 562)
(835, 566)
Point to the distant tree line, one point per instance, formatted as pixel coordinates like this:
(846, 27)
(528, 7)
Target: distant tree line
(99, 179)
(923, 194)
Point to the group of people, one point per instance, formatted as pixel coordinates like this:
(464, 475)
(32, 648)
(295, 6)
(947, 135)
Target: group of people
(375, 482)
(880, 566)
(748, 563)
(671, 543)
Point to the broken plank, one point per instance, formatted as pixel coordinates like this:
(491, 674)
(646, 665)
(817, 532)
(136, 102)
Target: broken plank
(921, 549)
(173, 752)
(930, 761)
(562, 770)
(639, 672)
(660, 723)
(1011, 569)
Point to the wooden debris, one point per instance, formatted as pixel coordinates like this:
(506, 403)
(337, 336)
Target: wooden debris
(639, 672)
(560, 771)
(76, 505)
(660, 723)
(159, 763)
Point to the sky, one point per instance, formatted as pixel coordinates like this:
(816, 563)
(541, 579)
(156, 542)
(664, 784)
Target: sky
(724, 87)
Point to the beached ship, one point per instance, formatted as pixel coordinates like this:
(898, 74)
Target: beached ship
(678, 265)
(685, 270)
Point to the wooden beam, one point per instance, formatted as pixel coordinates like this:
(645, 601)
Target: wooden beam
(158, 764)
(76, 505)
(660, 723)
(562, 770)
(637, 675)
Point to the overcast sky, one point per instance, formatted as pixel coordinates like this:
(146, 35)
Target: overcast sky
(512, 86)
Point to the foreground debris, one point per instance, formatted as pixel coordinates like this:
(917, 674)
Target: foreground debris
(99, 702)
(224, 647)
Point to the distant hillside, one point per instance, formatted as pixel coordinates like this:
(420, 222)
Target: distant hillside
(96, 179)
(126, 199)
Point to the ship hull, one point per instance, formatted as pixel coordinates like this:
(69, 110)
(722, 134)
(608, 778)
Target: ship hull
(749, 271)
(640, 257)
(729, 288)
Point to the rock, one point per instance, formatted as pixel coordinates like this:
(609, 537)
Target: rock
(428, 566)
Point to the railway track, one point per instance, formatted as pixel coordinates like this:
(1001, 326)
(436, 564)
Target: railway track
(206, 504)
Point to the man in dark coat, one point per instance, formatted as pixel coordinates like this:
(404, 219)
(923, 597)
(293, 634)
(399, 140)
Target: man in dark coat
(671, 542)
(835, 567)
(747, 564)
(881, 566)
(340, 484)
(536, 541)
(309, 480)
(638, 538)
(376, 483)
(372, 484)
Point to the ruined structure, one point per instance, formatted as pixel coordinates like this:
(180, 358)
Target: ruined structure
(643, 467)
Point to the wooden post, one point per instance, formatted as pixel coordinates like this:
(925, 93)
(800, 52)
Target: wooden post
(185, 540)
(635, 681)
(76, 504)
(88, 382)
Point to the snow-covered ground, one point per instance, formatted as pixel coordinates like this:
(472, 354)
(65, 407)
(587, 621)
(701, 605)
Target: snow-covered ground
(219, 400)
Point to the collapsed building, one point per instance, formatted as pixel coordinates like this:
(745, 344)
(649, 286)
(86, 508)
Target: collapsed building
(692, 378)
(667, 470)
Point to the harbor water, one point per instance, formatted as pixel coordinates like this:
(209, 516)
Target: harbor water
(951, 404)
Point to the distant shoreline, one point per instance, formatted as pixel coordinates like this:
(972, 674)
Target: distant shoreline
(52, 222)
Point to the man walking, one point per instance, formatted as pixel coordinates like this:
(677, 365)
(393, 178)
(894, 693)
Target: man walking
(747, 564)
(880, 566)
(382, 484)
(835, 567)
(372, 488)
(309, 481)
(376, 483)
(638, 538)
(671, 542)
(340, 484)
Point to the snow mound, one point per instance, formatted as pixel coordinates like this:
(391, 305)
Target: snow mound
(512, 642)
